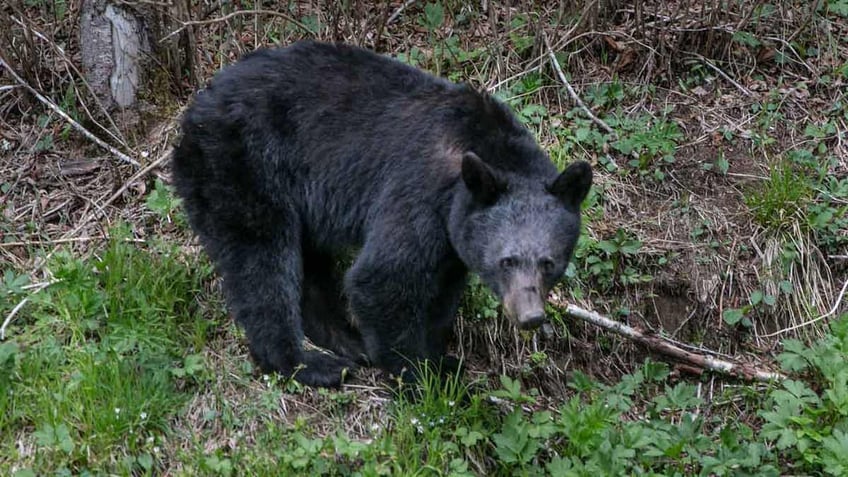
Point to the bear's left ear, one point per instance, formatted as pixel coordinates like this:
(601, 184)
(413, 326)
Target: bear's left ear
(573, 184)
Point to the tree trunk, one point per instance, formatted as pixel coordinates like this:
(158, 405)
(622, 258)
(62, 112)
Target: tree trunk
(122, 55)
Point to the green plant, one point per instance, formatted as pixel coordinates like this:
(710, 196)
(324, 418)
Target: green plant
(778, 202)
(478, 303)
(810, 426)
(519, 35)
(758, 301)
(12, 284)
(721, 165)
(608, 261)
(835, 7)
(162, 201)
(768, 113)
(425, 422)
(645, 139)
(603, 95)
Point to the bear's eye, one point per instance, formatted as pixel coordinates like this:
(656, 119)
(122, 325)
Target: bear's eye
(547, 266)
(509, 263)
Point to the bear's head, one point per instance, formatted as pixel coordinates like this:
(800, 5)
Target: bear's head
(518, 233)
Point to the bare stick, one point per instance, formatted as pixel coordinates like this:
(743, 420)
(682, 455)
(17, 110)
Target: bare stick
(724, 75)
(153, 165)
(50, 104)
(400, 10)
(234, 14)
(659, 344)
(27, 243)
(571, 91)
(17, 308)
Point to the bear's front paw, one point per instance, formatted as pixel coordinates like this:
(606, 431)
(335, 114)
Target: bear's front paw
(312, 368)
(323, 370)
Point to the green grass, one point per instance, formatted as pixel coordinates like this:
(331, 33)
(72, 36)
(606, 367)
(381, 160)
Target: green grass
(104, 369)
(87, 374)
(779, 202)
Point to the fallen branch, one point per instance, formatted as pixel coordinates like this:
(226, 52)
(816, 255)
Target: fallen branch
(661, 345)
(85, 132)
(571, 92)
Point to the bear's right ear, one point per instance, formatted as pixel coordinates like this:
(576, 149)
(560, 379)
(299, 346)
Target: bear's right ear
(481, 180)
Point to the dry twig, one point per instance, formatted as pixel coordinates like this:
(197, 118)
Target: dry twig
(226, 17)
(400, 10)
(661, 345)
(724, 75)
(571, 91)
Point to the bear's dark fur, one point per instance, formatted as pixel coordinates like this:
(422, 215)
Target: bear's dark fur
(294, 157)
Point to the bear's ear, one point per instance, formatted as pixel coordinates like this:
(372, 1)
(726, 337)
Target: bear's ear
(481, 179)
(573, 184)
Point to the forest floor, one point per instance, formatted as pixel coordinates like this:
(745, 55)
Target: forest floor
(718, 221)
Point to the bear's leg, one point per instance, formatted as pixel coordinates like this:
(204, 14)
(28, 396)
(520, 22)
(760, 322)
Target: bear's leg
(392, 288)
(440, 325)
(263, 283)
(325, 317)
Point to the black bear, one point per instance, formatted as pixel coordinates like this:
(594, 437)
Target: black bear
(296, 157)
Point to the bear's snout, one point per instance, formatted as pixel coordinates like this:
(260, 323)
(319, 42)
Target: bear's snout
(525, 307)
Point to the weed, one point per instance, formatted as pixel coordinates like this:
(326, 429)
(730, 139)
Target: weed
(604, 95)
(162, 202)
(422, 428)
(607, 262)
(645, 140)
(758, 301)
(478, 303)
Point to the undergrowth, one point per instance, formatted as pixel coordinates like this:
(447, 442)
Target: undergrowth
(106, 359)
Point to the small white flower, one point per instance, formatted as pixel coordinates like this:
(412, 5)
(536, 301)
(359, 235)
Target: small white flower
(143, 415)
(156, 449)
(413, 421)
(117, 411)
(451, 403)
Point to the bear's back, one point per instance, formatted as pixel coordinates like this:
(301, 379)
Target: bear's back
(327, 127)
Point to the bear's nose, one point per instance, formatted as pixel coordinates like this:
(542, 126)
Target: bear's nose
(531, 320)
